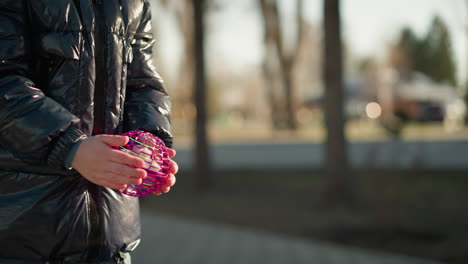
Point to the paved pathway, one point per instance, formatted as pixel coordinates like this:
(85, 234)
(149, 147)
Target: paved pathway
(173, 241)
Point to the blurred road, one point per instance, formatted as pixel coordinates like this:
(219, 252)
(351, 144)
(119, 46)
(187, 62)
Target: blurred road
(372, 154)
(174, 241)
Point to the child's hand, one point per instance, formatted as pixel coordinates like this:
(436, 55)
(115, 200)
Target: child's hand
(102, 165)
(172, 179)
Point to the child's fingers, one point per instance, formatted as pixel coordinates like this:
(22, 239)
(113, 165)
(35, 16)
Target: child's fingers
(113, 140)
(167, 186)
(125, 158)
(119, 179)
(124, 170)
(171, 152)
(113, 185)
(170, 181)
(164, 189)
(174, 167)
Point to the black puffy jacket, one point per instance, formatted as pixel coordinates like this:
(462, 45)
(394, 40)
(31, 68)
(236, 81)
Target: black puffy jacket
(70, 68)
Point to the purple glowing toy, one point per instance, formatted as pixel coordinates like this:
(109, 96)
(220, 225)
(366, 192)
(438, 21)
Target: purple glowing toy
(155, 155)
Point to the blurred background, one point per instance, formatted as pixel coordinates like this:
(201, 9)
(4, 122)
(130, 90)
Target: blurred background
(341, 122)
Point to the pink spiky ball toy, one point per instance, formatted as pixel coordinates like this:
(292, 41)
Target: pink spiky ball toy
(156, 157)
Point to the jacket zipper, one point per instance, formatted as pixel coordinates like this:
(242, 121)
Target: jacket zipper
(99, 101)
(100, 68)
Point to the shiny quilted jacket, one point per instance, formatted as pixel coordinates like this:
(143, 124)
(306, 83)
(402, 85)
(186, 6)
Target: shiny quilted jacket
(68, 69)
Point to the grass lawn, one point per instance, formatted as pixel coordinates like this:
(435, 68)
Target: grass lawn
(416, 213)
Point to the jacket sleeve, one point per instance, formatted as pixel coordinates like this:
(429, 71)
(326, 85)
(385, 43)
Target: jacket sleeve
(147, 104)
(33, 127)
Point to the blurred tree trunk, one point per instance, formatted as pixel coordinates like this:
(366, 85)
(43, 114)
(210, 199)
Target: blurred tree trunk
(270, 62)
(279, 62)
(185, 20)
(288, 61)
(466, 85)
(192, 79)
(336, 167)
(202, 164)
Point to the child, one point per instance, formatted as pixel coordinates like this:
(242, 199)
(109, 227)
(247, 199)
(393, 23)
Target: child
(73, 75)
